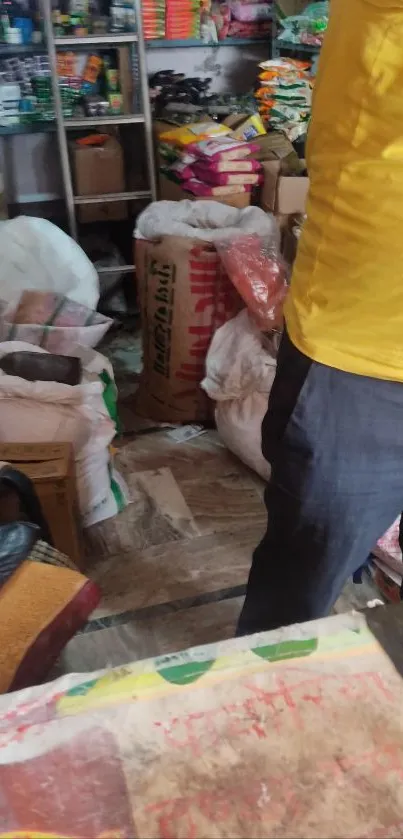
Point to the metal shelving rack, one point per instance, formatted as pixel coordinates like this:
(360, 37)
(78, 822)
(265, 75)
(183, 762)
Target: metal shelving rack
(136, 42)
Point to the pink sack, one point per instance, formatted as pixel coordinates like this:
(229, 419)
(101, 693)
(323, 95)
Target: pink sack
(222, 148)
(207, 175)
(244, 165)
(250, 12)
(197, 187)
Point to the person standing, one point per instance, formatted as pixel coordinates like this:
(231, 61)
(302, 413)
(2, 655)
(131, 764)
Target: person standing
(333, 433)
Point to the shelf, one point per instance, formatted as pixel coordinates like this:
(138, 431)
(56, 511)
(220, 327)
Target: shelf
(7, 50)
(23, 128)
(112, 196)
(288, 45)
(162, 43)
(108, 39)
(87, 122)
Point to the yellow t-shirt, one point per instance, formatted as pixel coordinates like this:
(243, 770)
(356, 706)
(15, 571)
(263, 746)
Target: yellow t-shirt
(345, 306)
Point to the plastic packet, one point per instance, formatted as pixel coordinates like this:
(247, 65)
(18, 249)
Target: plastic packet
(209, 176)
(260, 276)
(222, 148)
(189, 134)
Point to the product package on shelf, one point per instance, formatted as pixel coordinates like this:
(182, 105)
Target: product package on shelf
(153, 19)
(208, 161)
(182, 19)
(284, 95)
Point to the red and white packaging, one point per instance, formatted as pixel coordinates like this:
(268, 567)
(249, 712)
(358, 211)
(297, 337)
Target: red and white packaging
(197, 187)
(208, 176)
(182, 170)
(222, 148)
(243, 165)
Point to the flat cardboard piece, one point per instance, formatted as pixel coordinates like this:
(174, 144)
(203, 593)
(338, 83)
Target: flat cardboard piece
(50, 466)
(273, 146)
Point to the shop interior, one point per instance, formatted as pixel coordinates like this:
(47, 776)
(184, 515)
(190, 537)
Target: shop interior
(138, 348)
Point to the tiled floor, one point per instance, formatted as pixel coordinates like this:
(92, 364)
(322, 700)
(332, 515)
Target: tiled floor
(173, 566)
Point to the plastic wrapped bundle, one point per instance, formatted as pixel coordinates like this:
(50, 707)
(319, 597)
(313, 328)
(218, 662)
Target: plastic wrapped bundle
(182, 19)
(153, 19)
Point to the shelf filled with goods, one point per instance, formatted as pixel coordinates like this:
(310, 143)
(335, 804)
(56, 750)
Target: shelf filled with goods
(285, 82)
(89, 70)
(90, 86)
(191, 23)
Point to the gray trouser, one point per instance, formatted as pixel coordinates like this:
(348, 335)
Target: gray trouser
(335, 444)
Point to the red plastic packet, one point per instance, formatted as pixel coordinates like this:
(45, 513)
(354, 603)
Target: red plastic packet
(259, 274)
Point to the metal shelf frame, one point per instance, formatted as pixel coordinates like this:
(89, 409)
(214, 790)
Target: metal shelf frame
(110, 39)
(136, 41)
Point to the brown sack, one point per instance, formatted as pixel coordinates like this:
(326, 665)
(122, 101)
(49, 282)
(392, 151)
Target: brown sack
(184, 297)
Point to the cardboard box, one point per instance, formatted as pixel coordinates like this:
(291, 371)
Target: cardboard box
(171, 191)
(50, 466)
(292, 193)
(281, 194)
(99, 169)
(271, 174)
(287, 8)
(126, 78)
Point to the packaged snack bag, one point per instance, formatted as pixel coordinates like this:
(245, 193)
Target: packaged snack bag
(222, 148)
(197, 187)
(208, 176)
(187, 135)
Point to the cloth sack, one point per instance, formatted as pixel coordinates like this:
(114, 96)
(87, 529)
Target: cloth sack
(35, 254)
(185, 296)
(239, 376)
(85, 415)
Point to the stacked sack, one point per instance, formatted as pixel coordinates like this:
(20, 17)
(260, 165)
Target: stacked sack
(208, 161)
(250, 19)
(182, 19)
(153, 19)
(284, 96)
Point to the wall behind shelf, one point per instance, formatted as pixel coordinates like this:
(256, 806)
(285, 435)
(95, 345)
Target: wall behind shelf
(32, 168)
(231, 68)
(32, 161)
